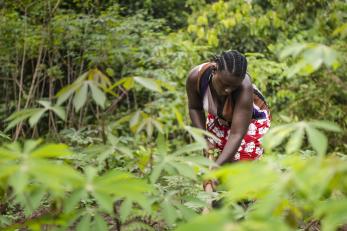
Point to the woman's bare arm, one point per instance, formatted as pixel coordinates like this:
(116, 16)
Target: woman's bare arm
(196, 111)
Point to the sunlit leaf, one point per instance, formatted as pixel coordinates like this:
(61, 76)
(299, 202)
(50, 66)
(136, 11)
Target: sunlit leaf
(125, 209)
(148, 83)
(36, 117)
(326, 125)
(317, 139)
(98, 96)
(80, 97)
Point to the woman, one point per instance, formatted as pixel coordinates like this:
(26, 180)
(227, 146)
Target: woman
(237, 113)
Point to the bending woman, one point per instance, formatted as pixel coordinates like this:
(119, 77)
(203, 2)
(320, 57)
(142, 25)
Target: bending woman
(236, 111)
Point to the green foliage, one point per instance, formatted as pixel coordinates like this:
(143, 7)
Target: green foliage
(316, 138)
(34, 114)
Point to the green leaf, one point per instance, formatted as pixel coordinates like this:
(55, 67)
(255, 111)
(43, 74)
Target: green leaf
(277, 135)
(84, 224)
(333, 213)
(317, 139)
(51, 151)
(189, 148)
(293, 50)
(20, 116)
(98, 96)
(125, 209)
(80, 97)
(45, 104)
(179, 117)
(198, 135)
(104, 201)
(30, 145)
(36, 198)
(134, 121)
(156, 172)
(326, 125)
(59, 111)
(20, 179)
(169, 212)
(110, 71)
(129, 83)
(295, 140)
(71, 202)
(148, 83)
(184, 170)
(67, 91)
(186, 212)
(162, 146)
(100, 224)
(36, 117)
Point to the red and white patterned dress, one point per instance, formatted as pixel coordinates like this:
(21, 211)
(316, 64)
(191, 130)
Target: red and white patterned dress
(250, 148)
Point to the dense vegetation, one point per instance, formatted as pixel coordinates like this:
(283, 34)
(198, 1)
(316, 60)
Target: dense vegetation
(94, 128)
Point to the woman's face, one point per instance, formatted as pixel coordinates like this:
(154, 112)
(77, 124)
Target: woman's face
(224, 83)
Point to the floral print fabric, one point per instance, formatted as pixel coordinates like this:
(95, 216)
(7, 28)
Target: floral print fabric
(250, 148)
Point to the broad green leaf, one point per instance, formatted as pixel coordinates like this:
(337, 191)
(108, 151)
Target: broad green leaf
(4, 136)
(134, 121)
(104, 201)
(317, 139)
(20, 116)
(169, 212)
(293, 50)
(179, 117)
(98, 96)
(51, 150)
(333, 213)
(36, 198)
(128, 83)
(295, 140)
(46, 104)
(277, 135)
(189, 148)
(184, 170)
(186, 212)
(215, 220)
(71, 202)
(156, 172)
(67, 92)
(80, 97)
(7, 171)
(36, 117)
(148, 83)
(6, 154)
(20, 179)
(110, 71)
(100, 224)
(157, 125)
(149, 127)
(326, 125)
(59, 111)
(162, 146)
(125, 209)
(84, 224)
(30, 145)
(198, 135)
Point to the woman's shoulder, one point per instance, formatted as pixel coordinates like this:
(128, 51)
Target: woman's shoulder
(196, 72)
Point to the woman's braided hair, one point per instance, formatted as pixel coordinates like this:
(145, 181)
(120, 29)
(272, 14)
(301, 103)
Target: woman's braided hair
(233, 61)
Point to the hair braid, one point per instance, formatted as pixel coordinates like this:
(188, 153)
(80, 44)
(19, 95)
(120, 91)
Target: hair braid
(233, 61)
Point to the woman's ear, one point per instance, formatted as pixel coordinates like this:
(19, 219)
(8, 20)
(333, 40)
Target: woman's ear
(214, 68)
